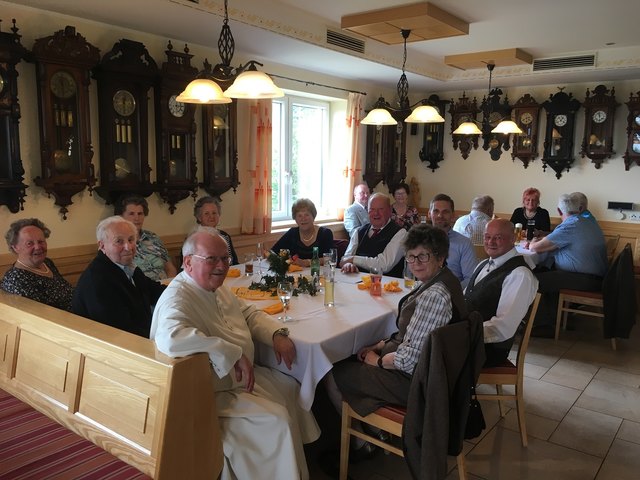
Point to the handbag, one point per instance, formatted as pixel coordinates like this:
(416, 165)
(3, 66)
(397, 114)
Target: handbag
(475, 421)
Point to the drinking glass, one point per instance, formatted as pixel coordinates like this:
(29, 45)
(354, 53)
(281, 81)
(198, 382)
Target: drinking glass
(333, 254)
(409, 278)
(376, 278)
(249, 258)
(285, 290)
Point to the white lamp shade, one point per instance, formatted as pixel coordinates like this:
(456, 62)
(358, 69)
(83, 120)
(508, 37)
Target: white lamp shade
(379, 116)
(202, 90)
(253, 84)
(467, 128)
(506, 127)
(424, 114)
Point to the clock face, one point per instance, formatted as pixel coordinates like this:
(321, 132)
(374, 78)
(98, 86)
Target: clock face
(123, 103)
(1, 82)
(526, 118)
(176, 108)
(62, 84)
(599, 116)
(122, 168)
(494, 118)
(560, 120)
(637, 120)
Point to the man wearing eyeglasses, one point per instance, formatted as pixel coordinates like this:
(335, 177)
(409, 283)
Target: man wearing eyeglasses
(501, 288)
(263, 427)
(112, 290)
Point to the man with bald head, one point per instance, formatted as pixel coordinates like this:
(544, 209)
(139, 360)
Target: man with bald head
(501, 288)
(355, 216)
(263, 427)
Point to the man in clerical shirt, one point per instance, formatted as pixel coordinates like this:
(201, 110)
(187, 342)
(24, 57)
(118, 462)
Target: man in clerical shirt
(112, 290)
(462, 257)
(378, 243)
(501, 288)
(263, 427)
(356, 214)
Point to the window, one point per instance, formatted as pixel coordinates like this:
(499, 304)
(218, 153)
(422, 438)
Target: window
(301, 162)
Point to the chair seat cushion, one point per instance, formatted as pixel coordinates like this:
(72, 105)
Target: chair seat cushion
(506, 367)
(394, 413)
(580, 293)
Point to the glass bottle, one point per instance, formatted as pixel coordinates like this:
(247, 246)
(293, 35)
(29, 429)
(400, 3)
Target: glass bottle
(315, 265)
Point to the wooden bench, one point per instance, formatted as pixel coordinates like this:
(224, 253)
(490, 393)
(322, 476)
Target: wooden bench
(112, 388)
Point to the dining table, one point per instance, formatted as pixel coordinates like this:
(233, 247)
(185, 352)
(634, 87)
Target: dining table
(325, 335)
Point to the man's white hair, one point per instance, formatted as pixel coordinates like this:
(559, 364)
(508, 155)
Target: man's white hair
(104, 227)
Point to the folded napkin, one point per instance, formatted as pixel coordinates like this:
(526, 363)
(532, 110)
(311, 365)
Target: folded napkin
(295, 268)
(233, 272)
(273, 309)
(392, 287)
(244, 292)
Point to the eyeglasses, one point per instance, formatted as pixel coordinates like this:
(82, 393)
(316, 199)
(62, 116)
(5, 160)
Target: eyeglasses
(422, 258)
(213, 260)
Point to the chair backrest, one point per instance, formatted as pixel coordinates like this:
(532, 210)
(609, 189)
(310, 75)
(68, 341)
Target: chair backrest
(612, 246)
(524, 343)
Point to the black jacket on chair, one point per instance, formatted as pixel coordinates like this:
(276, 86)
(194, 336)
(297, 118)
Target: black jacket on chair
(105, 294)
(619, 296)
(438, 403)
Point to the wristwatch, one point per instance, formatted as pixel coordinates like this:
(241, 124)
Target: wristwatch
(281, 331)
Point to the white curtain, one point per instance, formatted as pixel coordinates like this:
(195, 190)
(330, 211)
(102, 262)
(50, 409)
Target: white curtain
(353, 169)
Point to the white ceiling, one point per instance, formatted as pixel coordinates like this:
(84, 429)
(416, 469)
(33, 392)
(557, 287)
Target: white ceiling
(293, 32)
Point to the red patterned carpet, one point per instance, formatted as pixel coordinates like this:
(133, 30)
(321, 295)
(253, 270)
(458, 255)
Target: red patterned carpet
(34, 447)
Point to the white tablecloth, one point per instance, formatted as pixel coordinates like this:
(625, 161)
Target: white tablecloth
(325, 335)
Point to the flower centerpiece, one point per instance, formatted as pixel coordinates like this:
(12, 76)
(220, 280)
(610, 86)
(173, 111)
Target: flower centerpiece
(279, 265)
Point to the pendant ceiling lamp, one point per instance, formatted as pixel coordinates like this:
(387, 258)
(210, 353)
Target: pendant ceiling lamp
(248, 82)
(380, 115)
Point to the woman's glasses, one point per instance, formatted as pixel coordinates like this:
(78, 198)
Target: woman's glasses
(422, 258)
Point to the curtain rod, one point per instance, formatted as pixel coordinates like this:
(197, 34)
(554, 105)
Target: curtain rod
(307, 82)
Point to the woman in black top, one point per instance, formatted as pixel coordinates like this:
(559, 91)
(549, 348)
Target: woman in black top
(534, 219)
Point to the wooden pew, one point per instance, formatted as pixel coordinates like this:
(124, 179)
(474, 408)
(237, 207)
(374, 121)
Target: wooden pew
(112, 388)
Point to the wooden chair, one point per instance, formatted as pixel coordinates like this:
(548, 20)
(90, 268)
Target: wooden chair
(569, 300)
(390, 419)
(510, 374)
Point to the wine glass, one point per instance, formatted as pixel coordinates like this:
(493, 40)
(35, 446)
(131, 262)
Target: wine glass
(260, 255)
(333, 261)
(285, 290)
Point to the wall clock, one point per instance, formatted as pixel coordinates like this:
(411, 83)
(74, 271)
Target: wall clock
(632, 153)
(12, 188)
(125, 75)
(561, 110)
(63, 62)
(175, 130)
(464, 110)
(432, 150)
(494, 112)
(599, 113)
(526, 114)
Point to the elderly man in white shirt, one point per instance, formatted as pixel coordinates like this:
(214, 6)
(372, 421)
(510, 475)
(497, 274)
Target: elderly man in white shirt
(473, 224)
(263, 426)
(377, 243)
(501, 288)
(355, 216)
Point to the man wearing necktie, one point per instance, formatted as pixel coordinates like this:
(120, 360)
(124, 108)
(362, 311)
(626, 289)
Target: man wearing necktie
(379, 242)
(501, 288)
(112, 290)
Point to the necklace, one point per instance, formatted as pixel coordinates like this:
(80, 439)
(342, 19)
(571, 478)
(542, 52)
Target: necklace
(46, 270)
(527, 216)
(308, 239)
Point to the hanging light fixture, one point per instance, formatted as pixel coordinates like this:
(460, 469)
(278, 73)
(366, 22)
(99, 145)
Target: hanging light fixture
(425, 113)
(467, 128)
(248, 82)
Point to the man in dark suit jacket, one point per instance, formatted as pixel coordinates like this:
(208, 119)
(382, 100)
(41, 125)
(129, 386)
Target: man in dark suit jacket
(112, 290)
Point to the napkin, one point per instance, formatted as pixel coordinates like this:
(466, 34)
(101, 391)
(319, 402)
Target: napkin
(295, 268)
(233, 272)
(244, 292)
(273, 309)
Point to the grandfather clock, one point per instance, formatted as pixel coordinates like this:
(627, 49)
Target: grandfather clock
(526, 114)
(599, 112)
(175, 130)
(63, 63)
(12, 190)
